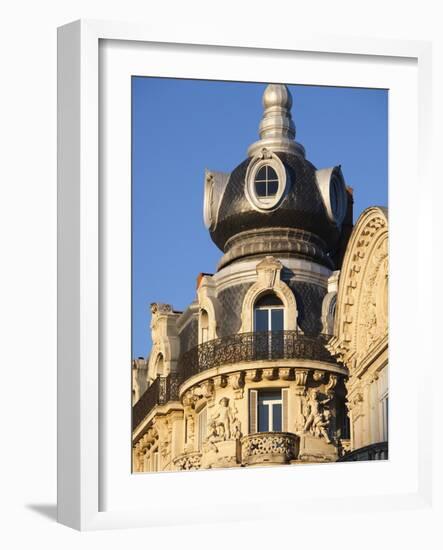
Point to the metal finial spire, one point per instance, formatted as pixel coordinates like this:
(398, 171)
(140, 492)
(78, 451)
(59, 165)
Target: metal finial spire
(277, 130)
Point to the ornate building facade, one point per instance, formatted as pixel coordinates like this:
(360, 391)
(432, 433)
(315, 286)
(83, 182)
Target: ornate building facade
(282, 356)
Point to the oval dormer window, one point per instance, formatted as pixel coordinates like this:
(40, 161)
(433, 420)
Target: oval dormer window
(265, 182)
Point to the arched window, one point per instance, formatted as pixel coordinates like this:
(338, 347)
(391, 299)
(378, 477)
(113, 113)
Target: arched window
(268, 327)
(159, 365)
(268, 314)
(204, 326)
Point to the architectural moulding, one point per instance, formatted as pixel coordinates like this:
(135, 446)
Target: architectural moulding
(207, 300)
(269, 280)
(165, 341)
(361, 311)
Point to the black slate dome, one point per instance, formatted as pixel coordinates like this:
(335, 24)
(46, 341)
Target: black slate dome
(303, 217)
(302, 208)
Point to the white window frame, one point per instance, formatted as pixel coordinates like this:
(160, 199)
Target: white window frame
(269, 308)
(266, 203)
(270, 405)
(254, 404)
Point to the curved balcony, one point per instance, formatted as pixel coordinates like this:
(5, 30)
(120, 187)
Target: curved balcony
(376, 451)
(253, 346)
(237, 348)
(269, 448)
(160, 392)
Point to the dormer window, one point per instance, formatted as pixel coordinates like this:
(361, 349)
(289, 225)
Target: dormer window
(266, 181)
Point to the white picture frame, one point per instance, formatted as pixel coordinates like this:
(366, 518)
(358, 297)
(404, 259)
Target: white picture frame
(95, 492)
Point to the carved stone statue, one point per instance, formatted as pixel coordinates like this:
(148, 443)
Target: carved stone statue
(223, 418)
(318, 417)
(224, 424)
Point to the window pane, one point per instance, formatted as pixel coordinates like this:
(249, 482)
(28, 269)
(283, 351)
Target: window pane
(269, 300)
(269, 395)
(268, 399)
(260, 188)
(276, 417)
(272, 174)
(272, 188)
(263, 417)
(261, 174)
(276, 319)
(261, 320)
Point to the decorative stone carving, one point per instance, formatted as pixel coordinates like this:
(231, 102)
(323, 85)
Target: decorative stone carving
(278, 448)
(354, 404)
(362, 301)
(237, 382)
(221, 420)
(206, 390)
(268, 270)
(286, 373)
(301, 377)
(224, 423)
(270, 374)
(253, 375)
(372, 313)
(319, 375)
(189, 461)
(190, 431)
(188, 399)
(158, 308)
(220, 381)
(318, 416)
(164, 428)
(331, 385)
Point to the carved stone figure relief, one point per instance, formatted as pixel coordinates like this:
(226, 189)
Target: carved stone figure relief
(373, 309)
(318, 416)
(223, 425)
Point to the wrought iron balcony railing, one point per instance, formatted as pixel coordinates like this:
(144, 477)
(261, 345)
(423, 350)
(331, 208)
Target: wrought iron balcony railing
(269, 447)
(237, 348)
(161, 391)
(254, 346)
(376, 451)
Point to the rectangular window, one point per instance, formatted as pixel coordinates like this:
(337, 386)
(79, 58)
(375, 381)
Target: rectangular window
(276, 319)
(270, 413)
(261, 320)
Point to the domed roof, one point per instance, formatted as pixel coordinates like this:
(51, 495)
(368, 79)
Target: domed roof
(301, 208)
(277, 189)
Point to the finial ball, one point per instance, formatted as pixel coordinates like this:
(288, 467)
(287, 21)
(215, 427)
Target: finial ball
(277, 95)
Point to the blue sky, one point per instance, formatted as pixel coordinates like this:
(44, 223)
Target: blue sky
(181, 127)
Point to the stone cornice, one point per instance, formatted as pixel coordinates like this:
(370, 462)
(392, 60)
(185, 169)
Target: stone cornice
(159, 410)
(285, 369)
(245, 272)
